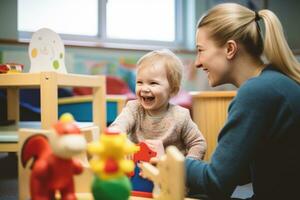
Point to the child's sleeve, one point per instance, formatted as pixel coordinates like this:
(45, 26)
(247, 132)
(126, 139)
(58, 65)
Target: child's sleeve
(126, 119)
(193, 139)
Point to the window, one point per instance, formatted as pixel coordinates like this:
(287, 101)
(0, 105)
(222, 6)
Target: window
(63, 16)
(147, 22)
(141, 19)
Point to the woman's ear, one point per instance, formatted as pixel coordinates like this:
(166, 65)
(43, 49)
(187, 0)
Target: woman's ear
(231, 49)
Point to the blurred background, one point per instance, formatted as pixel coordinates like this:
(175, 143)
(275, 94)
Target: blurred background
(109, 36)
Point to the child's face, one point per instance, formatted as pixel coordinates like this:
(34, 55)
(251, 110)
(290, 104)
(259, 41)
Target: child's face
(152, 88)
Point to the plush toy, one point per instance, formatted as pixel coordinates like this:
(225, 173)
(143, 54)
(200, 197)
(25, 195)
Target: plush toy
(53, 167)
(110, 166)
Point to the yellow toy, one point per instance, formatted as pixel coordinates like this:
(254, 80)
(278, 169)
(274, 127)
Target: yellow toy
(110, 165)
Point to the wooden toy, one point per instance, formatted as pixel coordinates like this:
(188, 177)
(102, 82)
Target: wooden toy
(46, 52)
(140, 186)
(169, 175)
(53, 167)
(110, 166)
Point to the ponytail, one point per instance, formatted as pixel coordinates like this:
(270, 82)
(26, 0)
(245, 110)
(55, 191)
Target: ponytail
(276, 48)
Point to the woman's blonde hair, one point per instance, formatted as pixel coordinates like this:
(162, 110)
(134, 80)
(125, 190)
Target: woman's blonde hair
(171, 63)
(232, 21)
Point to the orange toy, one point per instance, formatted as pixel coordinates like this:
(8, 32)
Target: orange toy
(53, 167)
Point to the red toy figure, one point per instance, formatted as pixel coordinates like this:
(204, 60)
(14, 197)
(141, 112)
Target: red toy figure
(145, 153)
(53, 167)
(140, 186)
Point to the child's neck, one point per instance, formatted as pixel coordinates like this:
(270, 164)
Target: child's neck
(160, 113)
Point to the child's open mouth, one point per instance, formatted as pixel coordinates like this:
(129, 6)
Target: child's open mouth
(148, 99)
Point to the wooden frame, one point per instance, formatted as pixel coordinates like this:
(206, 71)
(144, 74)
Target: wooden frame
(48, 82)
(210, 113)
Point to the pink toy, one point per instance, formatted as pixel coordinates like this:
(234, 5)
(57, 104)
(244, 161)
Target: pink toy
(53, 167)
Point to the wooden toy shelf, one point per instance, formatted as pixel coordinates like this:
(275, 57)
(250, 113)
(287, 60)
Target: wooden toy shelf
(49, 82)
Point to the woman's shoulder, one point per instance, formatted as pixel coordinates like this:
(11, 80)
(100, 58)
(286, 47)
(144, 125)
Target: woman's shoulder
(270, 83)
(270, 89)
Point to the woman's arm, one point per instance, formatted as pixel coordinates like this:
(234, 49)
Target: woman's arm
(249, 119)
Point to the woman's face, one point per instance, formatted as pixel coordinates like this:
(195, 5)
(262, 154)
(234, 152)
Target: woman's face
(211, 59)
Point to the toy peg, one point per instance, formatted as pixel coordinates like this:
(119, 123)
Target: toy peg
(170, 187)
(53, 166)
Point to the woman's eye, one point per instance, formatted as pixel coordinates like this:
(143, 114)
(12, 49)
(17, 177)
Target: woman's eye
(153, 83)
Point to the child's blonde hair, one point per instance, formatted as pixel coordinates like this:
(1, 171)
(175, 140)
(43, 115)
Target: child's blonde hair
(230, 21)
(171, 63)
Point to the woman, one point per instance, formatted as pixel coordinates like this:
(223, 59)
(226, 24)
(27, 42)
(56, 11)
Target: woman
(259, 142)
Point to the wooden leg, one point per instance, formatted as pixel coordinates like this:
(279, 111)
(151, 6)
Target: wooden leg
(99, 105)
(49, 110)
(13, 104)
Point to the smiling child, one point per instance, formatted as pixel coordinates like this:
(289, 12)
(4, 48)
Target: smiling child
(151, 118)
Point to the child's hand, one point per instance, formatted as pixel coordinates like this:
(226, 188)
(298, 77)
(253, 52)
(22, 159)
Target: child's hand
(156, 146)
(129, 156)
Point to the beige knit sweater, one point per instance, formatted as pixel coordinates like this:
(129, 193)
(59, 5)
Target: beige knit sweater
(175, 127)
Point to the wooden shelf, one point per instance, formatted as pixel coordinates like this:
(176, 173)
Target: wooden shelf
(49, 82)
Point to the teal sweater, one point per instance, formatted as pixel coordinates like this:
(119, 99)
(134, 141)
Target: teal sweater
(259, 143)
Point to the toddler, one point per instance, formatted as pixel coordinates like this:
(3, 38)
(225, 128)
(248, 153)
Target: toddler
(151, 118)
